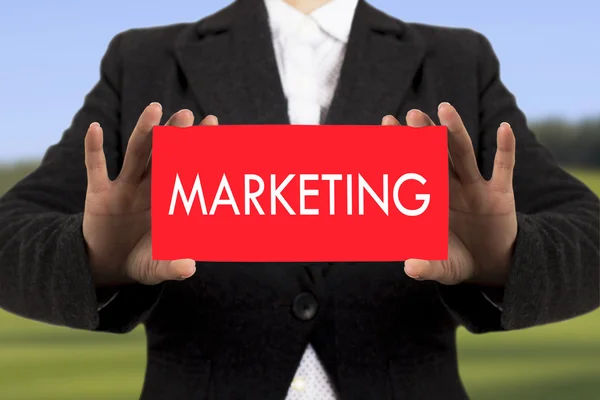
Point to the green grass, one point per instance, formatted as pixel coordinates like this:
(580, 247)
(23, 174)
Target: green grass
(38, 361)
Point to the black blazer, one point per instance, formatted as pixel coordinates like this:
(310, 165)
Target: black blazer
(237, 330)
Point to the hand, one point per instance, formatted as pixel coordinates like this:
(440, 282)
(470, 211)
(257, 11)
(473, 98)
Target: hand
(483, 219)
(116, 220)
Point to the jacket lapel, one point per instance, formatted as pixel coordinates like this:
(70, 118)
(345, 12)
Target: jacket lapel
(229, 63)
(382, 59)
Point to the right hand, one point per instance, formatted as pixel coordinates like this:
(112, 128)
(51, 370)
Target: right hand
(116, 220)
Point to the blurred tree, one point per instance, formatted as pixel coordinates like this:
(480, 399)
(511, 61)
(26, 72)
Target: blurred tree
(573, 144)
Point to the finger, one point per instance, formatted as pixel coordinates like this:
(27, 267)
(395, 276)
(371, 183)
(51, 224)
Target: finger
(389, 120)
(140, 145)
(181, 119)
(174, 270)
(504, 161)
(418, 119)
(95, 159)
(460, 145)
(210, 120)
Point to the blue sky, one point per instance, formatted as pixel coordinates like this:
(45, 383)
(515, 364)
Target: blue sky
(549, 53)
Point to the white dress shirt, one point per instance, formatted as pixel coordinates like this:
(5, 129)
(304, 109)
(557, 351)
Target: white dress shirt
(309, 50)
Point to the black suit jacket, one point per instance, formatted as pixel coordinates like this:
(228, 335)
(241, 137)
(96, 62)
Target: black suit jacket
(238, 330)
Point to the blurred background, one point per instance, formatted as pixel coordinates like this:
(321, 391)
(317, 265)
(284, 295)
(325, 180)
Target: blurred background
(50, 56)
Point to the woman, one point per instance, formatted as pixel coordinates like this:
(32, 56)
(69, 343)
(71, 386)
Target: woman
(75, 246)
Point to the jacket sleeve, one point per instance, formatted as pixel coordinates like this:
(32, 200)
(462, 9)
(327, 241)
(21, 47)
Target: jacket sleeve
(44, 269)
(556, 262)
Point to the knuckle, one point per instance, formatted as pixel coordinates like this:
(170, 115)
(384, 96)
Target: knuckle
(503, 166)
(95, 165)
(96, 189)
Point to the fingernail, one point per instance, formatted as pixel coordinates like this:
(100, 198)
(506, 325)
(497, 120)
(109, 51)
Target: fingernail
(192, 272)
(413, 111)
(94, 124)
(157, 104)
(443, 103)
(206, 119)
(505, 124)
(407, 271)
(415, 277)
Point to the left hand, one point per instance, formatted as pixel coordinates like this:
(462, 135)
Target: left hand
(483, 218)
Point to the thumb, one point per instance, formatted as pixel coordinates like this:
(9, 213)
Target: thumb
(421, 269)
(424, 270)
(176, 270)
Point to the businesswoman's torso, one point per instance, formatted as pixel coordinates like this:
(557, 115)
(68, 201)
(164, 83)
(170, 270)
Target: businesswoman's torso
(239, 330)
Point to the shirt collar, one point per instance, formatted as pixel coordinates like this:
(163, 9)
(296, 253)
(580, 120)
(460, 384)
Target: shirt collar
(335, 17)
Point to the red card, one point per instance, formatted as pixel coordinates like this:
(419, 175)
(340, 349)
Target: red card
(299, 193)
